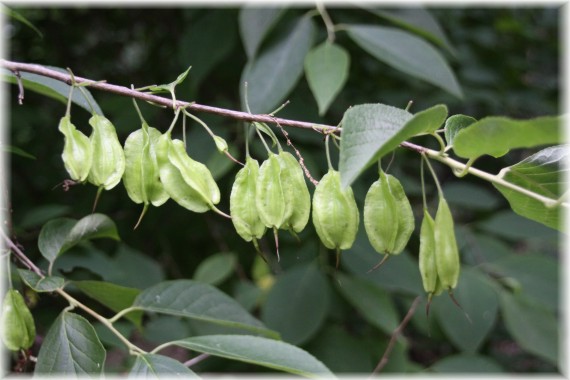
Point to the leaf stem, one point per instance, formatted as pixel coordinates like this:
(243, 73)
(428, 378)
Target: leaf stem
(327, 20)
(328, 152)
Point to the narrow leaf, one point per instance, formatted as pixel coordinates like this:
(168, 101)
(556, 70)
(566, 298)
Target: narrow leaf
(216, 268)
(255, 24)
(260, 351)
(191, 299)
(93, 226)
(326, 68)
(454, 124)
(71, 347)
(17, 151)
(150, 366)
(495, 135)
(17, 16)
(41, 284)
(407, 53)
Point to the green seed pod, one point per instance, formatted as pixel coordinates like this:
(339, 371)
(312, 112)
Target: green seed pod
(335, 214)
(426, 258)
(108, 156)
(295, 193)
(221, 144)
(446, 251)
(388, 216)
(270, 199)
(243, 198)
(18, 329)
(77, 152)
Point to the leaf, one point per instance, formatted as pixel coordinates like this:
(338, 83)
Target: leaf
(471, 196)
(276, 70)
(53, 235)
(407, 53)
(370, 131)
(115, 297)
(454, 124)
(94, 226)
(297, 304)
(479, 300)
(71, 347)
(539, 173)
(169, 87)
(17, 151)
(372, 302)
(53, 88)
(326, 69)
(496, 136)
(39, 284)
(255, 23)
(534, 328)
(260, 351)
(216, 268)
(157, 366)
(42, 214)
(17, 16)
(467, 363)
(511, 226)
(191, 299)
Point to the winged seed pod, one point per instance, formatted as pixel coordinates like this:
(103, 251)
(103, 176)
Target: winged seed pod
(427, 264)
(270, 199)
(17, 324)
(446, 251)
(77, 153)
(295, 192)
(388, 216)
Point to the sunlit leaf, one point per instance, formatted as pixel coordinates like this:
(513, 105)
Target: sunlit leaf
(454, 124)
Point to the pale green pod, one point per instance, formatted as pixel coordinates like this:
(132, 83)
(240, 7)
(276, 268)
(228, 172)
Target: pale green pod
(77, 153)
(243, 197)
(335, 213)
(108, 156)
(270, 199)
(221, 144)
(17, 323)
(446, 251)
(426, 257)
(295, 193)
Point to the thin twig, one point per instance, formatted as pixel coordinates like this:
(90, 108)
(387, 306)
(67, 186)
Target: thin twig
(20, 255)
(196, 360)
(20, 87)
(384, 360)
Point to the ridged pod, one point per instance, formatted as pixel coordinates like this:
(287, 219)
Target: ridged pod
(77, 153)
(270, 198)
(446, 251)
(17, 324)
(295, 192)
(108, 156)
(427, 264)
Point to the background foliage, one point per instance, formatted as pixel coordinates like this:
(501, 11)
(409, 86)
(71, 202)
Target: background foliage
(507, 63)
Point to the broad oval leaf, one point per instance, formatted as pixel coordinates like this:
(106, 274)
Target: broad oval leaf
(326, 69)
(53, 235)
(467, 363)
(496, 135)
(255, 23)
(191, 299)
(297, 304)
(541, 174)
(41, 284)
(159, 366)
(370, 131)
(216, 268)
(454, 124)
(71, 347)
(276, 70)
(407, 53)
(94, 226)
(260, 351)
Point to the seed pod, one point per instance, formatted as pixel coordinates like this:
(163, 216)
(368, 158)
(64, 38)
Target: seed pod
(270, 199)
(18, 329)
(335, 214)
(77, 152)
(108, 156)
(446, 251)
(295, 193)
(427, 253)
(388, 216)
(243, 209)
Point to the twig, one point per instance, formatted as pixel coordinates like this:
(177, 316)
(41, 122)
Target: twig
(20, 255)
(384, 360)
(196, 360)
(20, 87)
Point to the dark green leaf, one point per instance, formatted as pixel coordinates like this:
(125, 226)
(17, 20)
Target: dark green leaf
(94, 226)
(216, 268)
(255, 23)
(467, 363)
(71, 347)
(41, 284)
(17, 151)
(164, 328)
(260, 351)
(190, 299)
(539, 173)
(407, 53)
(297, 304)
(509, 225)
(326, 69)
(41, 214)
(133, 269)
(495, 135)
(370, 131)
(17, 16)
(372, 301)
(159, 366)
(53, 235)
(454, 124)
(247, 294)
(276, 70)
(109, 339)
(470, 196)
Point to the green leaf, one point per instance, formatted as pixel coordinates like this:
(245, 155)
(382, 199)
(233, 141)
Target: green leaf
(370, 131)
(255, 23)
(372, 301)
(276, 70)
(407, 53)
(471, 196)
(42, 214)
(169, 87)
(53, 88)
(297, 304)
(496, 136)
(39, 284)
(216, 268)
(115, 297)
(17, 16)
(467, 363)
(326, 69)
(454, 124)
(478, 299)
(71, 347)
(539, 173)
(17, 151)
(53, 235)
(191, 299)
(260, 351)
(511, 226)
(534, 328)
(159, 366)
